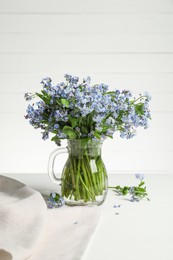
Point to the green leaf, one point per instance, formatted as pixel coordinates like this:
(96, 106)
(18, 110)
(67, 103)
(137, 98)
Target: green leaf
(110, 136)
(45, 97)
(139, 108)
(108, 115)
(73, 121)
(58, 102)
(69, 132)
(40, 96)
(84, 130)
(125, 190)
(65, 102)
(90, 121)
(55, 138)
(96, 134)
(141, 189)
(109, 93)
(118, 187)
(44, 93)
(141, 184)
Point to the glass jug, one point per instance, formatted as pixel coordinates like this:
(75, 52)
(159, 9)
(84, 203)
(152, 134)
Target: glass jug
(84, 177)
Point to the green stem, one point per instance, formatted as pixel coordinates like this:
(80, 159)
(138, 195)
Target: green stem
(85, 187)
(137, 99)
(84, 175)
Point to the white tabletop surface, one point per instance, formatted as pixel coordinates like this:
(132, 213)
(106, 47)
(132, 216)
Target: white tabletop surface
(135, 231)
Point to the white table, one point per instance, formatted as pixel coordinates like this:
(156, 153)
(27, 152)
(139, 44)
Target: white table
(135, 231)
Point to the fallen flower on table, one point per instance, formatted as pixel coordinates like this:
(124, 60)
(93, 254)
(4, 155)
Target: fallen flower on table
(55, 200)
(137, 193)
(117, 205)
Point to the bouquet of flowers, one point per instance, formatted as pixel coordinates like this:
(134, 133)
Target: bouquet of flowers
(74, 110)
(77, 110)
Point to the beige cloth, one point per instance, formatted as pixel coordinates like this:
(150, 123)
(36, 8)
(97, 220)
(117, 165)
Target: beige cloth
(28, 230)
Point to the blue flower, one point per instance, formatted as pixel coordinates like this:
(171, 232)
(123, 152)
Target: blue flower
(87, 80)
(46, 82)
(56, 126)
(147, 95)
(55, 200)
(28, 96)
(139, 176)
(45, 135)
(71, 79)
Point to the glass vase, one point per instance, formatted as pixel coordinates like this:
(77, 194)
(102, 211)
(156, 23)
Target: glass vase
(84, 177)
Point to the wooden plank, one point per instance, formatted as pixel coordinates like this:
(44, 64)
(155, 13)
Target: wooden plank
(89, 6)
(85, 43)
(36, 161)
(30, 23)
(138, 161)
(136, 82)
(72, 63)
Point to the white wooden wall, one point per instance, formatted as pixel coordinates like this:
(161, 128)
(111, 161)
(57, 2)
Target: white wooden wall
(125, 43)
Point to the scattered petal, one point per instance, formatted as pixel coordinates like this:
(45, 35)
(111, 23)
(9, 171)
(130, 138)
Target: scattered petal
(117, 206)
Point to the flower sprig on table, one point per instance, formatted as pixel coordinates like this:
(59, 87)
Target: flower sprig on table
(136, 193)
(55, 200)
(78, 110)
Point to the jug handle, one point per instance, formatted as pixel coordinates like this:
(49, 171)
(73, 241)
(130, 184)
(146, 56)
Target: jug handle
(51, 164)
